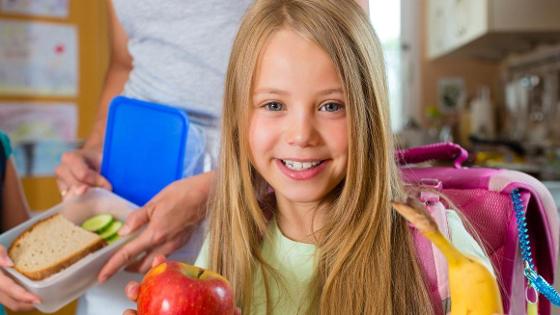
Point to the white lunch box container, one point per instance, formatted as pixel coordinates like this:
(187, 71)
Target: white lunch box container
(70, 283)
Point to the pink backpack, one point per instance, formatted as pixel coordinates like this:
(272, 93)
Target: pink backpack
(484, 198)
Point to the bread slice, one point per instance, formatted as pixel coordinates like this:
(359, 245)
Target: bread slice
(50, 245)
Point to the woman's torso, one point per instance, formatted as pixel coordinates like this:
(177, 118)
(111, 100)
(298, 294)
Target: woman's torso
(180, 50)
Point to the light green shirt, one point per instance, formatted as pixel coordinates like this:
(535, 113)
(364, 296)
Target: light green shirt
(294, 262)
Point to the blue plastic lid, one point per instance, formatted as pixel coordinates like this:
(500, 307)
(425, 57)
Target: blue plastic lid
(144, 147)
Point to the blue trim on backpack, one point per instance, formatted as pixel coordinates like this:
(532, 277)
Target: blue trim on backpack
(534, 280)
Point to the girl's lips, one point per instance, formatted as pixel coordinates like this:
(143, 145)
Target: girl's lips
(303, 174)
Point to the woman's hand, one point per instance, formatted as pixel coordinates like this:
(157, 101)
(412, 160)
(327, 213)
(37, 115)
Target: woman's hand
(171, 217)
(78, 171)
(12, 295)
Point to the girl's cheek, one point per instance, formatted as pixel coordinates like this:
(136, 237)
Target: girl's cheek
(257, 138)
(338, 137)
(263, 131)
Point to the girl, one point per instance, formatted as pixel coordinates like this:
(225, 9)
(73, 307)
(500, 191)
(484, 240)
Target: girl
(13, 210)
(301, 221)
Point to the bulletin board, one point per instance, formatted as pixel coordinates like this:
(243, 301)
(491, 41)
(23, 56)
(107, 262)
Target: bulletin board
(89, 19)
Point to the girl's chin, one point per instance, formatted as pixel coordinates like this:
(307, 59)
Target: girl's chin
(301, 196)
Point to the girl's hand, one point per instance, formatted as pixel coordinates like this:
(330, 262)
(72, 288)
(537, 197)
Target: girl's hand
(12, 295)
(131, 289)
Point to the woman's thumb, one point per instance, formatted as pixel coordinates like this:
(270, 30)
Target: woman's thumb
(134, 220)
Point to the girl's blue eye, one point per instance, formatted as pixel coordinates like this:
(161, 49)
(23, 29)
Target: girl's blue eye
(331, 107)
(273, 106)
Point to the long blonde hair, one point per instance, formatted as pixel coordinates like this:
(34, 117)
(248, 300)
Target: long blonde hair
(365, 259)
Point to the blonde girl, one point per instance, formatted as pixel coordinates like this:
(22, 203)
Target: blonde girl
(301, 221)
(364, 262)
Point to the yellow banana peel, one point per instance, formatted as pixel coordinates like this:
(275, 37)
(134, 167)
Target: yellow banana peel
(472, 287)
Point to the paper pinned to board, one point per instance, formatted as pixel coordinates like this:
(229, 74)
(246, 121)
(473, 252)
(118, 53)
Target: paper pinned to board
(47, 8)
(38, 58)
(40, 133)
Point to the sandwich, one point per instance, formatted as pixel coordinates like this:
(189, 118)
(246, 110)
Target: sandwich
(51, 245)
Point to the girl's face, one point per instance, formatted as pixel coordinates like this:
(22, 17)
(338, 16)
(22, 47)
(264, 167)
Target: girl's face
(298, 133)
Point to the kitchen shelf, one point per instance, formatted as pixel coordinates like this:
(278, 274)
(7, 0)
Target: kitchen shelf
(490, 29)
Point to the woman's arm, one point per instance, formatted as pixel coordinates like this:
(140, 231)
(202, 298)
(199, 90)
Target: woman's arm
(79, 169)
(14, 208)
(120, 65)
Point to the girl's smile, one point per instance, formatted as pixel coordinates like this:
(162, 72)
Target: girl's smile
(301, 170)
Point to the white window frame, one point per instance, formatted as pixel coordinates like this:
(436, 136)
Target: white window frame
(411, 57)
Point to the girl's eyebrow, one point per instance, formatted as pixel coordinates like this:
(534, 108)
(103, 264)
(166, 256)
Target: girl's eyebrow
(271, 91)
(331, 91)
(282, 92)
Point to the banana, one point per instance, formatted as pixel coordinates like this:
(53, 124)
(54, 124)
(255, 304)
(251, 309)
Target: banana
(473, 288)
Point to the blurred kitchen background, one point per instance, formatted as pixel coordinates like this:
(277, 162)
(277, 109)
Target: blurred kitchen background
(481, 73)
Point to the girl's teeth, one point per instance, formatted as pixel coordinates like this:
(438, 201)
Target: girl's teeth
(293, 165)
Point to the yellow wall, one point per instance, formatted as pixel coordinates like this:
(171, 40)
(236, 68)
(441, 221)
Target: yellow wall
(90, 17)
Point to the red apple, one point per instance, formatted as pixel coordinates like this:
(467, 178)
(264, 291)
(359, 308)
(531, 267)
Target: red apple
(176, 288)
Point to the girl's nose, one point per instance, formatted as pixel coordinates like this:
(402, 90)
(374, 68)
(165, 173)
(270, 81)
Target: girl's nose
(301, 131)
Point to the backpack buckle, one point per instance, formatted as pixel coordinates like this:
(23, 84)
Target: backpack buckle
(430, 196)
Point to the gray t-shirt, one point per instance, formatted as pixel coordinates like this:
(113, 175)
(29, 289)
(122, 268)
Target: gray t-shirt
(180, 51)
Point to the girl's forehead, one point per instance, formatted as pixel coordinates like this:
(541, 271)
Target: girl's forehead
(287, 53)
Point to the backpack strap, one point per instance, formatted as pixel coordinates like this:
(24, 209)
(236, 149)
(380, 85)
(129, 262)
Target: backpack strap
(431, 259)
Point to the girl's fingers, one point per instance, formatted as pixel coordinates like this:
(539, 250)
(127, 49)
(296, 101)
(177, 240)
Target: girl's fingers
(129, 312)
(150, 260)
(9, 288)
(15, 292)
(5, 261)
(131, 290)
(14, 304)
(158, 260)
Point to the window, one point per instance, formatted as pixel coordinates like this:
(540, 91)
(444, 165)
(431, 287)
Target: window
(386, 19)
